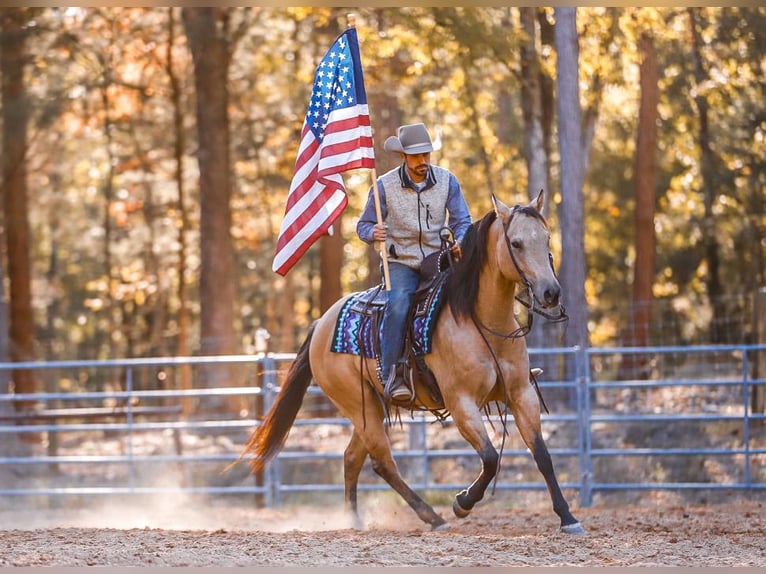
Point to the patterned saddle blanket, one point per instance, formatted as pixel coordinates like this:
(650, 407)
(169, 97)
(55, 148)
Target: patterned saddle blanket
(360, 322)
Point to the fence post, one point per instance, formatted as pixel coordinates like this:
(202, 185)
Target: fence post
(582, 370)
(129, 415)
(259, 409)
(746, 417)
(271, 476)
(418, 466)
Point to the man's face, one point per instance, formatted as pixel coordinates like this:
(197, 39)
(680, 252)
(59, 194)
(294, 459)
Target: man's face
(417, 165)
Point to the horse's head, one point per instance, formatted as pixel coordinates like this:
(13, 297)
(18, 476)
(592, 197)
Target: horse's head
(522, 250)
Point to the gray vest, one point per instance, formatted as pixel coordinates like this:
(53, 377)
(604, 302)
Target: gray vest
(414, 218)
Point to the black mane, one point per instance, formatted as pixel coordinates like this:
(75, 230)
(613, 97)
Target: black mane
(463, 281)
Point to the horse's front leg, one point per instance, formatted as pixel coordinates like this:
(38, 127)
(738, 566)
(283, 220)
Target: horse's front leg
(526, 412)
(470, 423)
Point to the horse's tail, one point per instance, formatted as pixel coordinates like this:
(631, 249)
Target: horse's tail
(267, 440)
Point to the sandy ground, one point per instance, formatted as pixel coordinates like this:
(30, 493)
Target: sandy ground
(714, 535)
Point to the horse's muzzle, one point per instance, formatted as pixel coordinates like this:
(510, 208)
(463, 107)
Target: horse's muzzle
(550, 295)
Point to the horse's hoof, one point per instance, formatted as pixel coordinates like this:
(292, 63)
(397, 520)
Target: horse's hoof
(459, 511)
(575, 529)
(441, 527)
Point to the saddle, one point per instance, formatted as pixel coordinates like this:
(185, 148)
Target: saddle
(358, 328)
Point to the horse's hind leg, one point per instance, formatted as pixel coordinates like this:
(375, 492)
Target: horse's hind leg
(384, 465)
(373, 434)
(526, 412)
(353, 461)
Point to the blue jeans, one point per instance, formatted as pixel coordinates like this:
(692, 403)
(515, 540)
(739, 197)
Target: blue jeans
(404, 282)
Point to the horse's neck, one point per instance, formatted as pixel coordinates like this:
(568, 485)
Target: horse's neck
(495, 301)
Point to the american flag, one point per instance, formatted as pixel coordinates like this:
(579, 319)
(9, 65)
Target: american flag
(336, 137)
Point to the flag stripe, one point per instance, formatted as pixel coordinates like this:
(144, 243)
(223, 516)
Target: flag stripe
(304, 235)
(310, 202)
(336, 136)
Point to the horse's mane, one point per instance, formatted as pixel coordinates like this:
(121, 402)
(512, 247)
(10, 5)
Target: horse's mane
(463, 281)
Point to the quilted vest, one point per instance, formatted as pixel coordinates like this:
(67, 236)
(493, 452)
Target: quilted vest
(414, 218)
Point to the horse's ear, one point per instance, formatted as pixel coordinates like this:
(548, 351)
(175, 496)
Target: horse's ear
(501, 210)
(539, 201)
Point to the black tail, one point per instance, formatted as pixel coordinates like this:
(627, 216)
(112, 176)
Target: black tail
(267, 440)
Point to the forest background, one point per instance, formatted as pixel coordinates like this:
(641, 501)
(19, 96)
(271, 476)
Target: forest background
(147, 154)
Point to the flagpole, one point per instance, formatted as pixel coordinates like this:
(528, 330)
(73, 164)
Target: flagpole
(376, 196)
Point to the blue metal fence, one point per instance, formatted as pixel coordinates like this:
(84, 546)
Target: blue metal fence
(600, 424)
(727, 369)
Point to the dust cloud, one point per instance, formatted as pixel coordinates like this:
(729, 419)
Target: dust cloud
(179, 511)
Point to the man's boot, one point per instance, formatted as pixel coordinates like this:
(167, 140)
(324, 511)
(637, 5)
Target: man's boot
(396, 388)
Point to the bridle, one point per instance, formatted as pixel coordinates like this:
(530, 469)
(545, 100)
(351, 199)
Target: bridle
(532, 303)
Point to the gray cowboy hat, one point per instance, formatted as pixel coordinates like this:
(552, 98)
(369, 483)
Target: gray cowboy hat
(411, 139)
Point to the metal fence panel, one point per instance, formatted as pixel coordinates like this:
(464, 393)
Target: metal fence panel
(602, 423)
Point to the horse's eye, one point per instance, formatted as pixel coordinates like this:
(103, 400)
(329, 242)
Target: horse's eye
(516, 244)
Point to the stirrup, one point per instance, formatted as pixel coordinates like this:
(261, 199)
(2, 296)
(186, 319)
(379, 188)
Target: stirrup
(396, 387)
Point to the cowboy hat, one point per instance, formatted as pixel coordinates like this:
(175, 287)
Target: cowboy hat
(410, 139)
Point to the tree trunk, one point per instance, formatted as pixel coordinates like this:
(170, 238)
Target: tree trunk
(183, 347)
(758, 392)
(545, 334)
(5, 379)
(635, 366)
(532, 107)
(112, 306)
(547, 85)
(571, 212)
(707, 169)
(14, 189)
(281, 316)
(330, 265)
(330, 290)
(552, 332)
(206, 30)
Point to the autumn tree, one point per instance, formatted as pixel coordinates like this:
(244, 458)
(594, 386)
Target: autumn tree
(15, 115)
(5, 387)
(532, 106)
(208, 33)
(183, 347)
(571, 211)
(99, 74)
(536, 151)
(644, 175)
(708, 165)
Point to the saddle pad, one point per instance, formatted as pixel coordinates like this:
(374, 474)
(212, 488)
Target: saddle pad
(354, 326)
(358, 327)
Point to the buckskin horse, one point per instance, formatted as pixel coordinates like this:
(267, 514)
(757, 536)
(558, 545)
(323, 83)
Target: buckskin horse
(478, 356)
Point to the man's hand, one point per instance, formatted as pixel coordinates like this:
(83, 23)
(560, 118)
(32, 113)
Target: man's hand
(456, 252)
(379, 232)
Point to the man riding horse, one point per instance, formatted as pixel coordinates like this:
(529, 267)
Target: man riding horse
(417, 199)
(478, 356)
